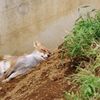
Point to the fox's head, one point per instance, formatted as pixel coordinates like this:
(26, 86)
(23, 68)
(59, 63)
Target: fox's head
(42, 51)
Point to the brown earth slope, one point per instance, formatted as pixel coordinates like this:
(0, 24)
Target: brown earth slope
(46, 81)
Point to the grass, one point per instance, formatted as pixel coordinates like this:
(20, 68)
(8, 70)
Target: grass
(85, 33)
(84, 43)
(89, 86)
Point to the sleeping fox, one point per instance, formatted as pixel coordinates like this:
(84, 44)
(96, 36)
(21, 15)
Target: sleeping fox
(13, 66)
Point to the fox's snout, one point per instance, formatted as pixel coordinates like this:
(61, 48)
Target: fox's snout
(48, 55)
(51, 53)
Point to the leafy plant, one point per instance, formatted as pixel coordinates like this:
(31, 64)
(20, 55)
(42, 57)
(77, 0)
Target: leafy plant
(85, 33)
(82, 43)
(89, 86)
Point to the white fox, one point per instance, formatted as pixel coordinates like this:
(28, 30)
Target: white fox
(13, 66)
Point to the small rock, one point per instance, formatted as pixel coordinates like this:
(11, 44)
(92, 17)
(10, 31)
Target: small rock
(0, 88)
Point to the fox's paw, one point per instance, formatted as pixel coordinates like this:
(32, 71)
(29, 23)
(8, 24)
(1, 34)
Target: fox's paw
(6, 80)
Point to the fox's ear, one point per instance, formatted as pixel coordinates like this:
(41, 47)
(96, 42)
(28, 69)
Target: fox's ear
(36, 44)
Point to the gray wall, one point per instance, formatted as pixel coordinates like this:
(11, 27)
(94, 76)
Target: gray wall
(22, 21)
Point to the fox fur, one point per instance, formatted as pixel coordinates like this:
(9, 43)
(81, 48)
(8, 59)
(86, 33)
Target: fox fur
(12, 66)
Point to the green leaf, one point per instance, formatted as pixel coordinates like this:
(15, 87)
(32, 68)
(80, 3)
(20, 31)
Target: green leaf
(83, 7)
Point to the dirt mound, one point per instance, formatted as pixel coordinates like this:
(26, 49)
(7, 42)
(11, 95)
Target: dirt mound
(46, 81)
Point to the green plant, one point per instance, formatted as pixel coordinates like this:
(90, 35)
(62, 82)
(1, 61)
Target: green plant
(89, 86)
(71, 96)
(85, 33)
(84, 43)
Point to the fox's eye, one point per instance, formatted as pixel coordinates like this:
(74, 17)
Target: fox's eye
(43, 50)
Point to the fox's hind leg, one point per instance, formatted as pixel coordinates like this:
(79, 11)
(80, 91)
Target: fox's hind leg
(16, 73)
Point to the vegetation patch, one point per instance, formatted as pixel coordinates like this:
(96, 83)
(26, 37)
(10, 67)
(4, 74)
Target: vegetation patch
(83, 47)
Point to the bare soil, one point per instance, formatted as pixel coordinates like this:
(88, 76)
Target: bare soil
(46, 81)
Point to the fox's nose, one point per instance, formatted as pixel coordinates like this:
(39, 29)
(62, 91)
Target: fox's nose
(48, 55)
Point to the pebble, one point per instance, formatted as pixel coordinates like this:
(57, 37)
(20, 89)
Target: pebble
(0, 88)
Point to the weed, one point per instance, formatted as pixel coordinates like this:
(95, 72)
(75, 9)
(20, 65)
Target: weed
(89, 86)
(84, 42)
(85, 33)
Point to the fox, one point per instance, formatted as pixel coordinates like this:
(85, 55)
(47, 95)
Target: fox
(13, 66)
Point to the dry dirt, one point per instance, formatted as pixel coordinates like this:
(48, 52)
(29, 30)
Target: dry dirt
(46, 81)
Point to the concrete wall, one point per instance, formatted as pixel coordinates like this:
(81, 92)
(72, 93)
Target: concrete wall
(22, 21)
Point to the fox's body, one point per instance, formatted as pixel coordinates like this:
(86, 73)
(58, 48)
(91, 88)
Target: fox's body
(11, 67)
